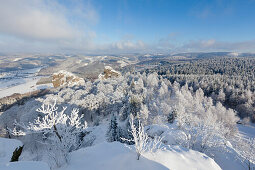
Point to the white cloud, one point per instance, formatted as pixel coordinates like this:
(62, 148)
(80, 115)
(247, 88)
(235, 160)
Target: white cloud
(208, 43)
(121, 45)
(213, 45)
(33, 19)
(47, 20)
(46, 25)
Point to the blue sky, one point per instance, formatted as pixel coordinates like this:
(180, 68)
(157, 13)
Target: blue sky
(127, 26)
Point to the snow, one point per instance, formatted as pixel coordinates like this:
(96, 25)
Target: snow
(226, 160)
(178, 158)
(17, 59)
(21, 81)
(25, 165)
(114, 156)
(247, 130)
(28, 86)
(7, 146)
(122, 63)
(112, 70)
(111, 156)
(66, 73)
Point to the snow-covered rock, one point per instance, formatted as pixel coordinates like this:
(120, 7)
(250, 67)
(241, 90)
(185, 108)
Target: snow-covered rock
(65, 78)
(109, 72)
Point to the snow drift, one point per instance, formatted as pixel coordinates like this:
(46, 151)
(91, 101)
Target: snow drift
(115, 156)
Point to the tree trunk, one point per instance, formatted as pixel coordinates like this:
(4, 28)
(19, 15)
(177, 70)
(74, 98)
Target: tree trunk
(56, 131)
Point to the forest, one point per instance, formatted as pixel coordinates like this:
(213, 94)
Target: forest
(145, 109)
(227, 80)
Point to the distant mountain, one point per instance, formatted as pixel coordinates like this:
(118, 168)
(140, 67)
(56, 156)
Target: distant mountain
(198, 55)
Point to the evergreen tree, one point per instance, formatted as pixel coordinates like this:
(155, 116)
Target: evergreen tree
(171, 116)
(112, 133)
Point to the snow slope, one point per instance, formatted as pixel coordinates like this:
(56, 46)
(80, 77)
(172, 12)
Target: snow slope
(178, 158)
(7, 146)
(25, 165)
(247, 130)
(115, 156)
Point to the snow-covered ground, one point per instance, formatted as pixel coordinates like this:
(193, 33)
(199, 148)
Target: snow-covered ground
(113, 156)
(116, 156)
(103, 155)
(20, 82)
(226, 160)
(7, 146)
(247, 130)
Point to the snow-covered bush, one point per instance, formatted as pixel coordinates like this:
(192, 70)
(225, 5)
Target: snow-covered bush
(59, 132)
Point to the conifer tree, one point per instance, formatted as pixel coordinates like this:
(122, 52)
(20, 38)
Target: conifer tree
(113, 130)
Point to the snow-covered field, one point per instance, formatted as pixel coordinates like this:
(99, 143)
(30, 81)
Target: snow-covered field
(20, 82)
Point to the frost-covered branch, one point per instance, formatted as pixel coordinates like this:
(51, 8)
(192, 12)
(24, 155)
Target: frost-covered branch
(141, 139)
(57, 129)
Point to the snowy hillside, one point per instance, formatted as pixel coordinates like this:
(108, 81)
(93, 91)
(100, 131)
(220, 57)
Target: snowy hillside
(115, 156)
(22, 81)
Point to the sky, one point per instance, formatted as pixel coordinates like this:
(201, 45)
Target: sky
(126, 26)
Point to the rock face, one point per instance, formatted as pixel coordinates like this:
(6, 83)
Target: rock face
(64, 78)
(109, 72)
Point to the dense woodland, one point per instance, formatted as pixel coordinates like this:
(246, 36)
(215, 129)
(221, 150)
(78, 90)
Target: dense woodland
(230, 81)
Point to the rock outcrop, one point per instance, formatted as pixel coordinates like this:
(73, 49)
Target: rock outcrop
(64, 78)
(109, 72)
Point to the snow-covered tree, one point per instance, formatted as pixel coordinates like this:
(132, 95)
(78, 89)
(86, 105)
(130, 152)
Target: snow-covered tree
(112, 133)
(141, 140)
(204, 125)
(171, 116)
(61, 133)
(143, 115)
